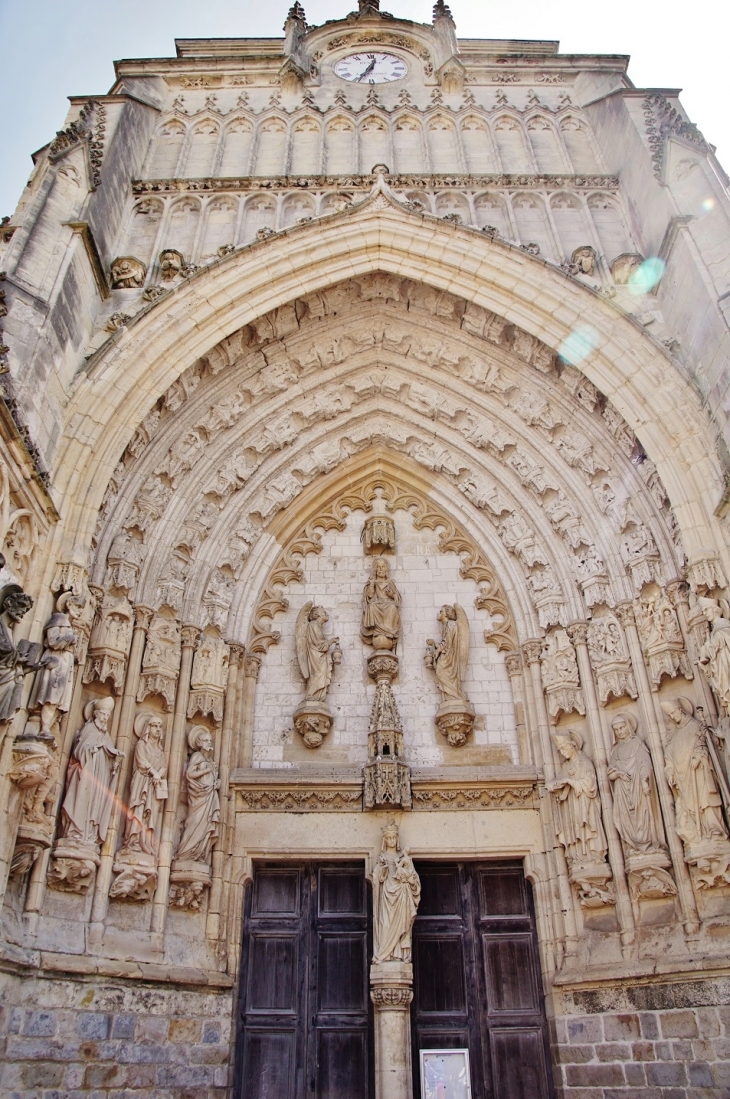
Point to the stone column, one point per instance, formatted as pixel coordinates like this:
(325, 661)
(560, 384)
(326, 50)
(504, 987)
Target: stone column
(578, 633)
(142, 618)
(690, 917)
(532, 650)
(190, 635)
(513, 664)
(229, 716)
(251, 669)
(391, 990)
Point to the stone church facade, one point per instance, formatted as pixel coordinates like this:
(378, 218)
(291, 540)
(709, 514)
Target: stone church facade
(364, 652)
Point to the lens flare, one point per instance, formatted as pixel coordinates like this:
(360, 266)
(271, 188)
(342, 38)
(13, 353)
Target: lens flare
(576, 347)
(647, 276)
(708, 205)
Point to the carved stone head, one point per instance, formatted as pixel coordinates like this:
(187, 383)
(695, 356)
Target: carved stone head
(171, 264)
(624, 726)
(200, 739)
(14, 602)
(127, 273)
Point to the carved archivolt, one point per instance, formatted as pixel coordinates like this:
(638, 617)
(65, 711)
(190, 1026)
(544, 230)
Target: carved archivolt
(425, 515)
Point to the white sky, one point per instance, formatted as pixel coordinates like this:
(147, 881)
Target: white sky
(55, 48)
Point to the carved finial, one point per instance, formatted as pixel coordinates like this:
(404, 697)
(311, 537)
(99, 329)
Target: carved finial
(367, 6)
(442, 11)
(296, 11)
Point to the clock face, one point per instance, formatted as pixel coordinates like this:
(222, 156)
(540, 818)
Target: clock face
(371, 68)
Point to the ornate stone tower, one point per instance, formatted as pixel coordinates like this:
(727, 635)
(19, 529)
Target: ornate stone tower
(363, 446)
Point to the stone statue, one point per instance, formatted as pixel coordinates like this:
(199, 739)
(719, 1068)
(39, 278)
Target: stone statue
(149, 786)
(136, 862)
(15, 660)
(201, 787)
(690, 774)
(171, 264)
(90, 780)
(396, 893)
(316, 653)
(715, 653)
(127, 273)
(54, 681)
(583, 261)
(576, 791)
(380, 608)
(448, 660)
(635, 801)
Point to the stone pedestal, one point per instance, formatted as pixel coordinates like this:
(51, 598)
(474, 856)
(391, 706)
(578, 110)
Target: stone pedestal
(312, 720)
(188, 882)
(136, 876)
(391, 990)
(455, 719)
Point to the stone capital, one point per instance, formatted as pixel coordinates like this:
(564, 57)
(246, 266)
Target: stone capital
(236, 650)
(678, 592)
(578, 632)
(513, 663)
(625, 614)
(143, 616)
(532, 650)
(189, 636)
(251, 666)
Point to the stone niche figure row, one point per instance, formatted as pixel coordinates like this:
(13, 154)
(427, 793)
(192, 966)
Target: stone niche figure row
(696, 781)
(318, 655)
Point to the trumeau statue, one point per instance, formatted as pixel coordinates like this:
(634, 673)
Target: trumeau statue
(396, 893)
(449, 658)
(316, 653)
(635, 802)
(715, 653)
(15, 660)
(380, 608)
(201, 783)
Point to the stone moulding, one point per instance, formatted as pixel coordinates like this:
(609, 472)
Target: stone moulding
(348, 182)
(318, 794)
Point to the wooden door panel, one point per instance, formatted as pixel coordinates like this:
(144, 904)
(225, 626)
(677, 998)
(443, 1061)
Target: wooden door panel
(518, 1059)
(341, 893)
(272, 973)
(509, 972)
(440, 892)
(268, 1064)
(276, 893)
(439, 965)
(342, 985)
(342, 1064)
(503, 893)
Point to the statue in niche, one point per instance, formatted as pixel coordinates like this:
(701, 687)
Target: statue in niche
(448, 660)
(90, 779)
(690, 774)
(136, 862)
(201, 784)
(583, 261)
(715, 653)
(381, 602)
(172, 263)
(128, 273)
(635, 801)
(317, 654)
(580, 829)
(15, 660)
(396, 893)
(149, 786)
(54, 681)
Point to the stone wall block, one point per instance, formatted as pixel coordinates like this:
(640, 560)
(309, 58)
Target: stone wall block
(649, 1024)
(666, 1074)
(678, 1024)
(595, 1075)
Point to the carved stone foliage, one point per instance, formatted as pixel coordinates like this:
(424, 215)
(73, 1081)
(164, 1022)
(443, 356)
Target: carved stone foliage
(161, 661)
(317, 655)
(88, 802)
(396, 893)
(191, 873)
(560, 676)
(661, 637)
(474, 795)
(448, 659)
(111, 636)
(610, 659)
(698, 803)
(209, 677)
(135, 865)
(580, 828)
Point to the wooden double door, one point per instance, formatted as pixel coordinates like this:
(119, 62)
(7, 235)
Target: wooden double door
(305, 1017)
(477, 978)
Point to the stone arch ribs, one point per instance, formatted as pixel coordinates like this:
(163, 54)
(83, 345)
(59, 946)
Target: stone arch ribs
(120, 386)
(327, 508)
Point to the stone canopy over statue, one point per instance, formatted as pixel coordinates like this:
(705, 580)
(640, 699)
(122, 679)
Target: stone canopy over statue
(448, 660)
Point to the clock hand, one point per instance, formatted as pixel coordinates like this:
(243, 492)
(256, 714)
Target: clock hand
(367, 71)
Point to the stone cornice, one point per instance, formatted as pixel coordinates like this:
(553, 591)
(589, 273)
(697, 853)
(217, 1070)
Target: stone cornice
(349, 182)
